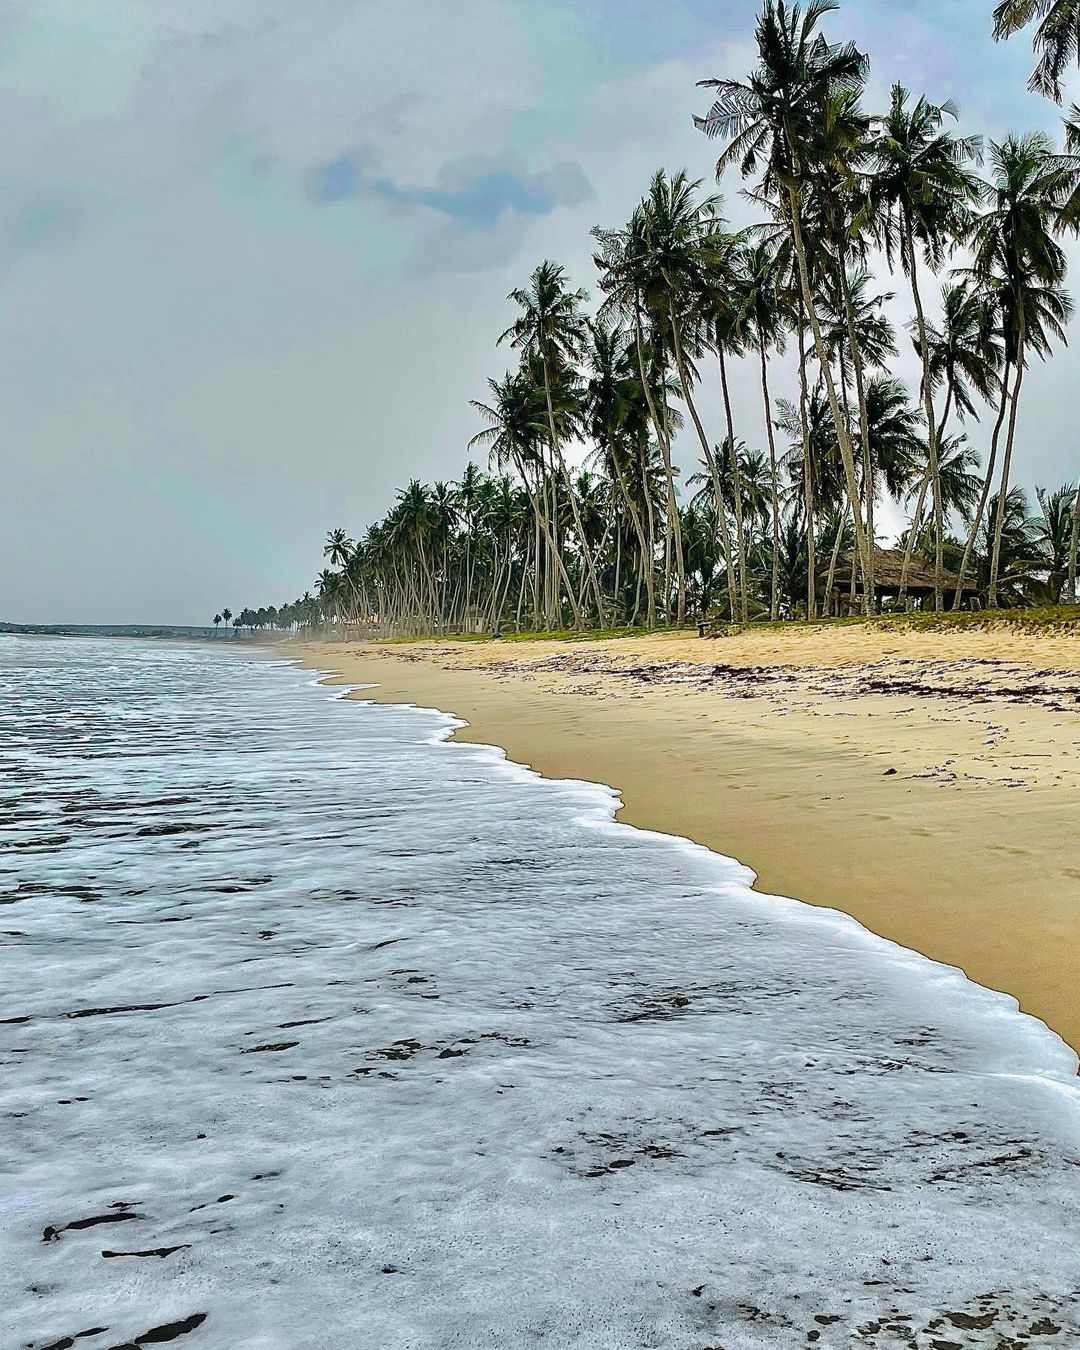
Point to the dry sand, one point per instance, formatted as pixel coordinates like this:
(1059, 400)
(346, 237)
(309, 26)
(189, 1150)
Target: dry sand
(926, 783)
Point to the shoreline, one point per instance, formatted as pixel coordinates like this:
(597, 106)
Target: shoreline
(930, 790)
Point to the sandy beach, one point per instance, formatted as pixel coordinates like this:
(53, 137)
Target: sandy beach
(926, 783)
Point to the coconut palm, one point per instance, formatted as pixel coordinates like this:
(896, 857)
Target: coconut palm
(922, 191)
(1054, 529)
(617, 421)
(1057, 37)
(1018, 262)
(551, 330)
(512, 437)
(772, 123)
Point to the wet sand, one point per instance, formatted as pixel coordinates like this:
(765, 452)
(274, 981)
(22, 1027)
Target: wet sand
(927, 784)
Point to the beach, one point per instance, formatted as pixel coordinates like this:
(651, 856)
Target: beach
(926, 783)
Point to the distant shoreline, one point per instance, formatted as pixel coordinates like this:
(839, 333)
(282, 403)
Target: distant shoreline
(927, 784)
(166, 630)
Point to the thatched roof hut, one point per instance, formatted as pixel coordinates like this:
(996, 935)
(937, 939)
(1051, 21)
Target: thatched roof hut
(888, 577)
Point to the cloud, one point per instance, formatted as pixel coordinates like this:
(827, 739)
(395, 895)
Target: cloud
(474, 191)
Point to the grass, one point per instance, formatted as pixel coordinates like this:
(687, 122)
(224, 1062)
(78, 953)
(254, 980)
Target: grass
(1049, 621)
(1046, 621)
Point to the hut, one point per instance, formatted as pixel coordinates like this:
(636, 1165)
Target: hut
(888, 578)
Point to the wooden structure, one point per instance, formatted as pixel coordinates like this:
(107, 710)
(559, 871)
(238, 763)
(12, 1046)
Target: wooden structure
(888, 576)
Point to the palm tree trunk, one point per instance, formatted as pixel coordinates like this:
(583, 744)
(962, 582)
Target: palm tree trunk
(977, 519)
(1074, 546)
(774, 584)
(834, 558)
(736, 486)
(544, 524)
(586, 551)
(639, 530)
(928, 405)
(650, 517)
(1006, 464)
(674, 524)
(834, 403)
(808, 482)
(869, 485)
(710, 460)
(526, 569)
(916, 519)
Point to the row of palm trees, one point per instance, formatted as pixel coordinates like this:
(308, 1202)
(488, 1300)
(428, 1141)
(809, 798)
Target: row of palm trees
(586, 520)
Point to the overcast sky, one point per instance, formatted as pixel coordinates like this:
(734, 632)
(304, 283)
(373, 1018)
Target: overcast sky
(254, 255)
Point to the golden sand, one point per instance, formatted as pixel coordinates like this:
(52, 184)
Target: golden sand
(926, 783)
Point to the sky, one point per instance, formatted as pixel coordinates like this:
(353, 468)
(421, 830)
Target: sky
(254, 255)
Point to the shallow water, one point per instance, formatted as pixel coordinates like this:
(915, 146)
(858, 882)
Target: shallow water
(321, 1032)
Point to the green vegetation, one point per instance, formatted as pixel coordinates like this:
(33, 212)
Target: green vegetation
(971, 235)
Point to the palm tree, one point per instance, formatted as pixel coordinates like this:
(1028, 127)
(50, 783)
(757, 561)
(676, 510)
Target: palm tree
(1020, 264)
(921, 194)
(1020, 554)
(639, 289)
(512, 437)
(616, 419)
(766, 317)
(684, 250)
(551, 329)
(217, 621)
(1057, 38)
(773, 121)
(1054, 528)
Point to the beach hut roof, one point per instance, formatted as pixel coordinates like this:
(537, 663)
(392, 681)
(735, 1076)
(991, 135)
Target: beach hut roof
(889, 568)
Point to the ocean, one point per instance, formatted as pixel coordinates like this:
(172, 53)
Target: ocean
(319, 1031)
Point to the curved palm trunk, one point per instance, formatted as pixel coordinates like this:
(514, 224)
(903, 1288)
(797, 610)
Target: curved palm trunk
(980, 510)
(774, 485)
(1006, 465)
(928, 405)
(710, 460)
(846, 454)
(674, 524)
(736, 485)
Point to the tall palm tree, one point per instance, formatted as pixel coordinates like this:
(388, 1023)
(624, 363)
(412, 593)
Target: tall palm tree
(685, 247)
(922, 191)
(772, 122)
(1057, 37)
(966, 355)
(1017, 259)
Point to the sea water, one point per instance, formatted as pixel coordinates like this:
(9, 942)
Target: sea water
(320, 1031)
